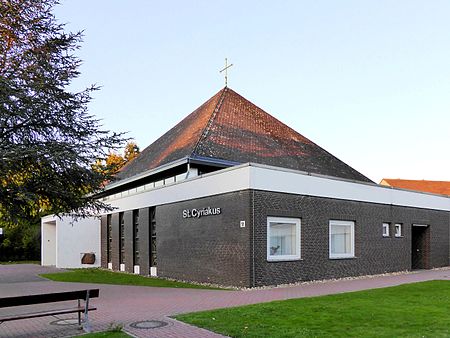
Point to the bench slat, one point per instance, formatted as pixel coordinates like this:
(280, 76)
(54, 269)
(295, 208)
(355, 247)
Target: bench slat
(44, 313)
(47, 298)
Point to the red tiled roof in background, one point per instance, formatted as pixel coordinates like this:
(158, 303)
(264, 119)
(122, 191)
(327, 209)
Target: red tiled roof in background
(231, 128)
(435, 187)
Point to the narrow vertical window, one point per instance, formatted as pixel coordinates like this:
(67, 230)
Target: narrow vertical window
(283, 238)
(386, 227)
(121, 239)
(398, 230)
(153, 257)
(108, 238)
(342, 239)
(136, 237)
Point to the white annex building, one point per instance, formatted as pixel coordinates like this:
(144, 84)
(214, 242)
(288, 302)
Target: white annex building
(64, 242)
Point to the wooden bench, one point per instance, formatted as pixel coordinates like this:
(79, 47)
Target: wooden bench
(84, 295)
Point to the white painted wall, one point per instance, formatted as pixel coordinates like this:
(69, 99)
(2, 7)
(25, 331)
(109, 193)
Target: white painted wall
(289, 181)
(261, 177)
(227, 180)
(76, 238)
(48, 243)
(72, 239)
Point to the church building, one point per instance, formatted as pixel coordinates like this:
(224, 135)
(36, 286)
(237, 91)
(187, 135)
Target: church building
(232, 196)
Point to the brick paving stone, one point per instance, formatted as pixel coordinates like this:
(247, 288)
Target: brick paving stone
(124, 305)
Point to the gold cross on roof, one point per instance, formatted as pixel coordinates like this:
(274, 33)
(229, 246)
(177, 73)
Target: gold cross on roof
(225, 69)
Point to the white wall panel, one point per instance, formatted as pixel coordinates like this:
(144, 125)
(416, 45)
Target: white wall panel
(76, 238)
(266, 178)
(228, 180)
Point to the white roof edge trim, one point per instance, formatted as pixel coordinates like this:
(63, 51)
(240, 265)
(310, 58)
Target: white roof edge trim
(335, 178)
(288, 181)
(258, 165)
(266, 178)
(219, 182)
(48, 218)
(186, 159)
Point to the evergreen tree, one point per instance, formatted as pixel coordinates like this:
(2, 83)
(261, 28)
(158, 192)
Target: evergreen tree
(48, 140)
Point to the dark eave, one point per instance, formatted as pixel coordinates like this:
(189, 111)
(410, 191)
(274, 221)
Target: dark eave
(142, 178)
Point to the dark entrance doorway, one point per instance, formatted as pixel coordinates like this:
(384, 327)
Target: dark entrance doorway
(420, 246)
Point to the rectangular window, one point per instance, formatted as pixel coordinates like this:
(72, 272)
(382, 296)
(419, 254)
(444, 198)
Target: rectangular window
(386, 227)
(342, 239)
(283, 238)
(169, 180)
(398, 230)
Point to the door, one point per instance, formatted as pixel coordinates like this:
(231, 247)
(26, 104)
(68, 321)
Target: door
(420, 246)
(48, 248)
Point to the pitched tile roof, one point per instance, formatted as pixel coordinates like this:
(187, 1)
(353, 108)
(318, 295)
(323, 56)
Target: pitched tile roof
(229, 127)
(435, 187)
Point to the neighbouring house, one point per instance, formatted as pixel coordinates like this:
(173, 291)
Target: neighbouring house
(434, 187)
(231, 195)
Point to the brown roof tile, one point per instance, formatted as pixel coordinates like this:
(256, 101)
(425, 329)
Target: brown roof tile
(231, 128)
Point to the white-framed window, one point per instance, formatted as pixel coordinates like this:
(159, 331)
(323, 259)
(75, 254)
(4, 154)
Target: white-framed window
(386, 227)
(398, 230)
(283, 238)
(342, 239)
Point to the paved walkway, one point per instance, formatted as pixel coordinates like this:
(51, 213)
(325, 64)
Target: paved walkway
(19, 273)
(128, 304)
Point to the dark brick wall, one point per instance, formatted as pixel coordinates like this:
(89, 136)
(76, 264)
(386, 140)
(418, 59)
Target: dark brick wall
(115, 246)
(128, 233)
(374, 253)
(103, 241)
(208, 249)
(144, 244)
(144, 225)
(215, 249)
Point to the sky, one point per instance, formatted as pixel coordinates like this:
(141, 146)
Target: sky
(369, 81)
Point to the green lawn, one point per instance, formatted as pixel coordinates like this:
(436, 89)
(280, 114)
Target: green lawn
(411, 310)
(119, 278)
